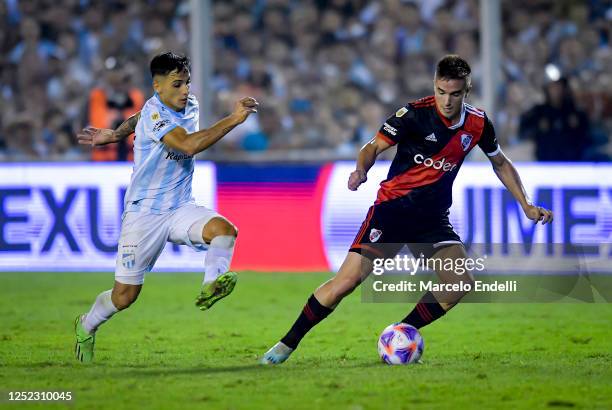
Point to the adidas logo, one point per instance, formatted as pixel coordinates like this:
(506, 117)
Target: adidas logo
(431, 137)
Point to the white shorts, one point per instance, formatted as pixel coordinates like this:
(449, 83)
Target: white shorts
(144, 236)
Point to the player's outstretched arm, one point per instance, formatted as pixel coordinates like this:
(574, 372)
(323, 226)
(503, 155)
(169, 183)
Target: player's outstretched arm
(365, 160)
(192, 144)
(508, 175)
(101, 136)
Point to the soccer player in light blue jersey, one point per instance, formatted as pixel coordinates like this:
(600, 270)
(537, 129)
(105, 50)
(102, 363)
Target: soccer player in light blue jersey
(159, 207)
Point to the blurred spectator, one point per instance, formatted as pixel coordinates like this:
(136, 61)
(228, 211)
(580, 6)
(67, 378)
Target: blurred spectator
(111, 104)
(59, 137)
(21, 143)
(559, 129)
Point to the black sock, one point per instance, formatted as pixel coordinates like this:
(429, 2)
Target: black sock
(313, 313)
(426, 311)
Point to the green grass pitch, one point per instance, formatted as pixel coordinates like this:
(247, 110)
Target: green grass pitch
(163, 353)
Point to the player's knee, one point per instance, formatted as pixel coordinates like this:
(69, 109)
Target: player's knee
(226, 229)
(219, 227)
(233, 230)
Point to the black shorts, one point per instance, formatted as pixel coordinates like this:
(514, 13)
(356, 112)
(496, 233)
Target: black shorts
(391, 225)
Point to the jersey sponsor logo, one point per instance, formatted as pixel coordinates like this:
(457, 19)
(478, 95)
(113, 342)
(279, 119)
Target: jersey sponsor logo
(375, 235)
(390, 129)
(399, 113)
(442, 164)
(159, 125)
(466, 139)
(431, 137)
(175, 156)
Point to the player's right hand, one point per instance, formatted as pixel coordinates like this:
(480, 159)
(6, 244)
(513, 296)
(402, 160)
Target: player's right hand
(357, 178)
(96, 136)
(245, 107)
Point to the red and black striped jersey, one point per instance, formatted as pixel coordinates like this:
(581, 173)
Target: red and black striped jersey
(430, 151)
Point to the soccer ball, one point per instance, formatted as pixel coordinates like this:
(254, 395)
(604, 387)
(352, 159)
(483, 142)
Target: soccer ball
(400, 343)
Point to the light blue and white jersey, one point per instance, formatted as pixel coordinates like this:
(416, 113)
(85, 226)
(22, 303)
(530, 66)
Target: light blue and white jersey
(161, 178)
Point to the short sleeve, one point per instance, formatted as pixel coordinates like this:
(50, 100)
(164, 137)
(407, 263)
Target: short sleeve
(488, 141)
(158, 122)
(398, 126)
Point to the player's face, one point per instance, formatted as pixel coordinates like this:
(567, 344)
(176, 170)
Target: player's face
(173, 89)
(450, 94)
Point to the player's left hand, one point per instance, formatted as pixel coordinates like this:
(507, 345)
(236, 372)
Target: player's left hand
(245, 107)
(538, 213)
(357, 178)
(96, 136)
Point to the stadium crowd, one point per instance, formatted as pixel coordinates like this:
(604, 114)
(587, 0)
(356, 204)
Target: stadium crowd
(326, 73)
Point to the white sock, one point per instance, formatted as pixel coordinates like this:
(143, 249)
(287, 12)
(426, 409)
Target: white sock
(218, 257)
(102, 310)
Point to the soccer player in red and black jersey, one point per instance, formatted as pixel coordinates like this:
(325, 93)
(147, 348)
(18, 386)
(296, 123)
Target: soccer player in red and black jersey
(433, 136)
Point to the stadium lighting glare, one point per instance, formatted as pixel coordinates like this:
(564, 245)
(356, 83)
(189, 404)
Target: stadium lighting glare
(110, 63)
(552, 72)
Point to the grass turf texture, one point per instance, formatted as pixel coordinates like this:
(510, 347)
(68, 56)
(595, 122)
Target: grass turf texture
(164, 353)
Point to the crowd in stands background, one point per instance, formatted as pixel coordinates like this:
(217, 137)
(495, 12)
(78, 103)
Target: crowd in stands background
(326, 73)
